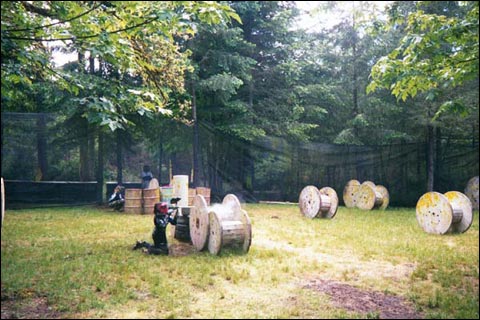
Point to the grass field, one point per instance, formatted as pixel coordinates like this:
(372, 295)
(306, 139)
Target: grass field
(78, 263)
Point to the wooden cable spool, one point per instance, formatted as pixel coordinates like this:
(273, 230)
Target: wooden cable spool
(441, 213)
(199, 223)
(229, 226)
(349, 192)
(219, 226)
(370, 196)
(471, 191)
(316, 203)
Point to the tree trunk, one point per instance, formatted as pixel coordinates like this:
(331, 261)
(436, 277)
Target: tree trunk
(431, 155)
(196, 147)
(41, 148)
(84, 151)
(90, 152)
(100, 168)
(119, 157)
(160, 160)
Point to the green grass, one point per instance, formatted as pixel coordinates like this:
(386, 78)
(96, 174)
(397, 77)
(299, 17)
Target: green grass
(80, 260)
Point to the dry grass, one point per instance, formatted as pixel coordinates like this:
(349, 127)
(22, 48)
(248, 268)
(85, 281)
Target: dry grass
(80, 261)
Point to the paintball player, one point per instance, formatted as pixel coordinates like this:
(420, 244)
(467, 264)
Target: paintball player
(162, 217)
(116, 201)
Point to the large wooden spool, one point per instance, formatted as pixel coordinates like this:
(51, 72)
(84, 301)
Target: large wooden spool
(442, 213)
(316, 203)
(349, 192)
(133, 201)
(220, 226)
(199, 223)
(370, 196)
(471, 191)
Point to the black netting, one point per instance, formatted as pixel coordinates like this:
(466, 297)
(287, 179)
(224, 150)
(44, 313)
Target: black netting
(39, 147)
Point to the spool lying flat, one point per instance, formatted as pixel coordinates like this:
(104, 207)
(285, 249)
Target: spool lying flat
(434, 213)
(349, 193)
(386, 197)
(332, 194)
(459, 200)
(309, 201)
(365, 197)
(199, 223)
(471, 191)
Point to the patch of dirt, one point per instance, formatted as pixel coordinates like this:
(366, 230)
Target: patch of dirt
(356, 300)
(31, 308)
(180, 249)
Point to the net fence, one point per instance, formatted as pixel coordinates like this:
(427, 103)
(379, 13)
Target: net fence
(44, 147)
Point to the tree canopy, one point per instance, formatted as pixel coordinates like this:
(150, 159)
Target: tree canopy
(438, 51)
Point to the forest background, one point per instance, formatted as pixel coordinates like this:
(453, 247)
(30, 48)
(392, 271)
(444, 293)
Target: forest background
(204, 88)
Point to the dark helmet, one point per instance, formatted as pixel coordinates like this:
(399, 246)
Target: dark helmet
(161, 207)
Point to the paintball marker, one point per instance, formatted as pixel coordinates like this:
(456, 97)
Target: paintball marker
(175, 200)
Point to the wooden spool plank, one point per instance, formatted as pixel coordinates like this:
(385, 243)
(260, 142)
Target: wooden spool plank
(199, 223)
(309, 201)
(434, 213)
(332, 195)
(366, 197)
(215, 233)
(248, 231)
(471, 191)
(384, 194)
(349, 192)
(460, 201)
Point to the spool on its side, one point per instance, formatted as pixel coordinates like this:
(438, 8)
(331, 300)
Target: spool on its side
(460, 201)
(199, 223)
(471, 191)
(349, 192)
(385, 196)
(225, 233)
(366, 197)
(434, 213)
(332, 194)
(309, 201)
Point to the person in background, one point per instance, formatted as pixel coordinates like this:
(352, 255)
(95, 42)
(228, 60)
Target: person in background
(146, 176)
(116, 201)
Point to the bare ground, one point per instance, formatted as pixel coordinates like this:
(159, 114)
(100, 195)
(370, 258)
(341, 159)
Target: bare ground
(365, 302)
